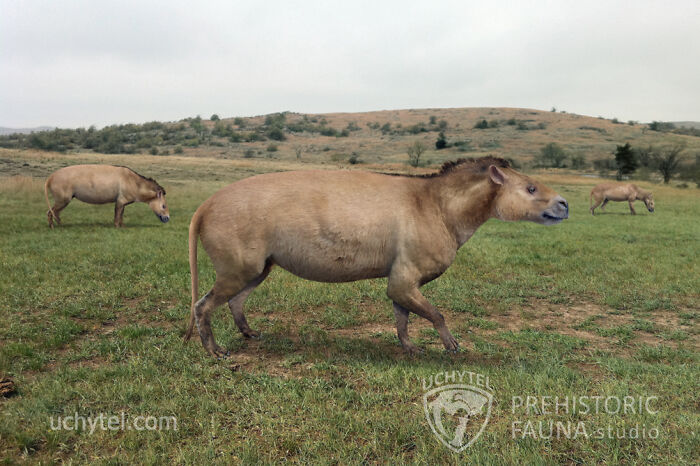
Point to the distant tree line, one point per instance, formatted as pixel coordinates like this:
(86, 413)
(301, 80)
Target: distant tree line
(667, 161)
(667, 127)
(155, 137)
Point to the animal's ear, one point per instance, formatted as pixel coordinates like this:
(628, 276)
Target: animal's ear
(160, 194)
(496, 175)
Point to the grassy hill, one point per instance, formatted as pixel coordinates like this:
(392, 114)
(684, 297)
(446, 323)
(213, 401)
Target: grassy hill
(380, 137)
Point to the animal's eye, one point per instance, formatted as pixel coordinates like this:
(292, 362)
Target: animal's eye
(531, 189)
(164, 206)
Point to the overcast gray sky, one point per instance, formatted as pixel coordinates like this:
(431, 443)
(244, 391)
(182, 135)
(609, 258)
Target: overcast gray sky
(77, 63)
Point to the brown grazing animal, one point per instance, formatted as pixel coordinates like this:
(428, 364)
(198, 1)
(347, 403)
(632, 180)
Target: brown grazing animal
(605, 192)
(102, 184)
(341, 226)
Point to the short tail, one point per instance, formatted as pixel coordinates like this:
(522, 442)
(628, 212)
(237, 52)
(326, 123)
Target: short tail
(46, 195)
(194, 273)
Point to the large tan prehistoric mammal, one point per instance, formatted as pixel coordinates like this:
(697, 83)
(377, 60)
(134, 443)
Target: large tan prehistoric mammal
(340, 226)
(605, 192)
(102, 184)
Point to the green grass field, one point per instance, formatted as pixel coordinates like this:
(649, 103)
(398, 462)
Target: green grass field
(92, 318)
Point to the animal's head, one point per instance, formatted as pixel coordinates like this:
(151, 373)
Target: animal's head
(519, 197)
(649, 201)
(159, 206)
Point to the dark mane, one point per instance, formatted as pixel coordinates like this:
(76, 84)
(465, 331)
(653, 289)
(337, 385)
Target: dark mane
(479, 165)
(157, 187)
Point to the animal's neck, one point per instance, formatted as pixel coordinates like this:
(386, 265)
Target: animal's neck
(466, 203)
(144, 189)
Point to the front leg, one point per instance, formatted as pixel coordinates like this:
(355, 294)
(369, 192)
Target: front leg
(119, 214)
(408, 296)
(632, 207)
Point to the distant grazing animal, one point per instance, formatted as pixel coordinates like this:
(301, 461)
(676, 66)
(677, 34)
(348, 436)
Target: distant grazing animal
(102, 184)
(341, 226)
(605, 192)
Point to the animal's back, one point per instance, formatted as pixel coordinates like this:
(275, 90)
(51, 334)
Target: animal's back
(95, 184)
(613, 191)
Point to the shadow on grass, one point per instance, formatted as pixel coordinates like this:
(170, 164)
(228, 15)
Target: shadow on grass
(74, 226)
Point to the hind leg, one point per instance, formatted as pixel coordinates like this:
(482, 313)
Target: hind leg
(58, 206)
(401, 315)
(596, 203)
(235, 304)
(202, 314)
(226, 287)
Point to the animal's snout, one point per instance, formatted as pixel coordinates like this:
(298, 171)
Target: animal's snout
(164, 218)
(562, 206)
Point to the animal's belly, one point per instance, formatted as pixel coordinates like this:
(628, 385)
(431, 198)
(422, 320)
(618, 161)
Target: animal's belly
(332, 264)
(95, 194)
(616, 197)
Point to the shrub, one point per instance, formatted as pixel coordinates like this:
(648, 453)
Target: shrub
(178, 150)
(441, 142)
(249, 154)
(417, 128)
(276, 119)
(154, 151)
(415, 151)
(222, 130)
(552, 155)
(253, 137)
(578, 162)
(214, 117)
(272, 148)
(327, 131)
(667, 161)
(483, 124)
(354, 159)
(625, 160)
(276, 133)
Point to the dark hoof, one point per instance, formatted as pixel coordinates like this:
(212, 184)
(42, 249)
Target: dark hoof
(451, 346)
(413, 350)
(252, 334)
(220, 353)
